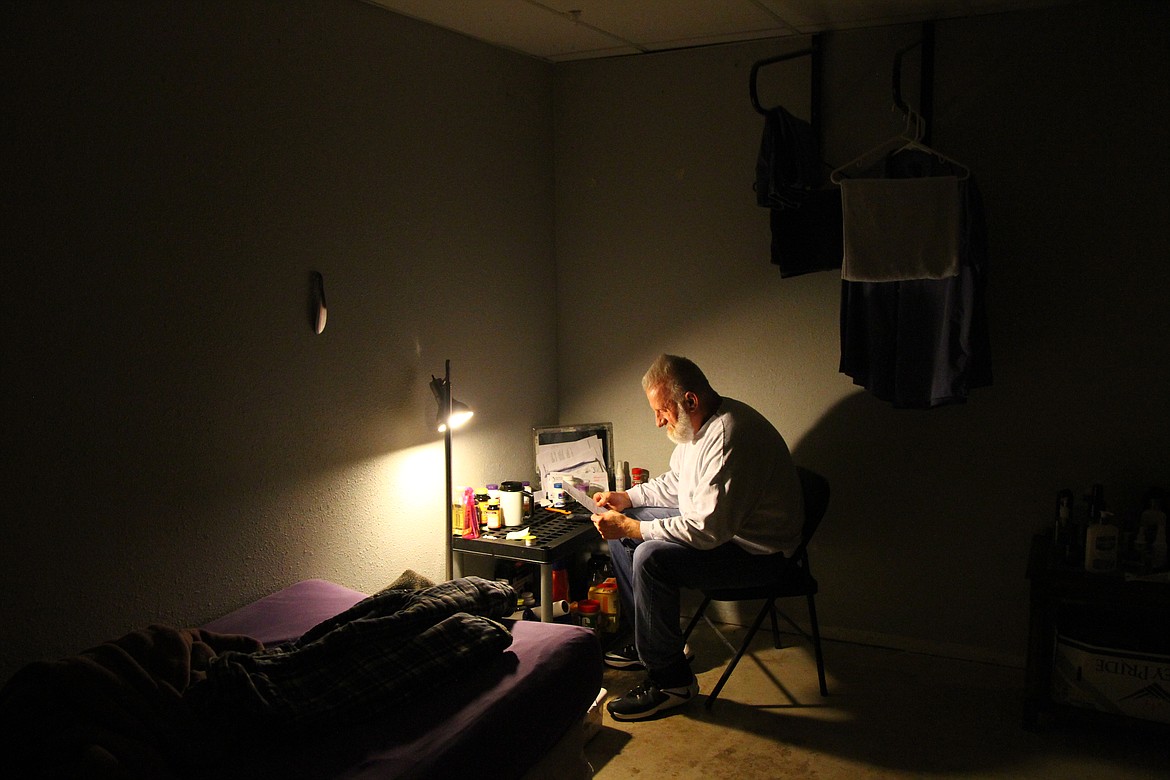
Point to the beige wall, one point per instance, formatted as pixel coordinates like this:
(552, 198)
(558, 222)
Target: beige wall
(1062, 117)
(177, 440)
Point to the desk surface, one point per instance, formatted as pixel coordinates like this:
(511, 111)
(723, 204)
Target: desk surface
(553, 531)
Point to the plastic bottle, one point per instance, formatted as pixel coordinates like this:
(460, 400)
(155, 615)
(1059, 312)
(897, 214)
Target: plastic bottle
(605, 593)
(1063, 531)
(512, 503)
(493, 516)
(529, 499)
(481, 501)
(1151, 533)
(457, 522)
(1153, 527)
(620, 483)
(599, 569)
(470, 515)
(1101, 544)
(558, 495)
(560, 582)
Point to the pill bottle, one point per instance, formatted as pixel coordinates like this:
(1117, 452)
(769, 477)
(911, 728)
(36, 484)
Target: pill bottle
(493, 515)
(558, 495)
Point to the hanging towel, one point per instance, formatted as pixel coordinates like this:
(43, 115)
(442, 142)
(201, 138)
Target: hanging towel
(923, 343)
(900, 229)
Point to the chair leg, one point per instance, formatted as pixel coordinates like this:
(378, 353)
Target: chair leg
(747, 640)
(775, 626)
(816, 633)
(695, 620)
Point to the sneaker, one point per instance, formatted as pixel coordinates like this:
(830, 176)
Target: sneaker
(648, 700)
(626, 658)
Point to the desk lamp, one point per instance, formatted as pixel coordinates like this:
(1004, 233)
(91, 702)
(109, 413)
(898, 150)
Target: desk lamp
(451, 414)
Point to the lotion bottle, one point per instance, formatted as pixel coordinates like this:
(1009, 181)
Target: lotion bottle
(1101, 542)
(1153, 527)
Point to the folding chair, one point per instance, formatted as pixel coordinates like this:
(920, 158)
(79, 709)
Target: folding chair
(793, 578)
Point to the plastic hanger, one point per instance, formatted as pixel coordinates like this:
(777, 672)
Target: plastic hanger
(910, 139)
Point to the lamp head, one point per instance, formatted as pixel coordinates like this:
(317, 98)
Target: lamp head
(459, 411)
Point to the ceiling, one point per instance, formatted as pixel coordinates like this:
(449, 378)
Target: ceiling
(561, 30)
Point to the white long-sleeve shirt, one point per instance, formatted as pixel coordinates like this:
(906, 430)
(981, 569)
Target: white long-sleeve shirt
(734, 482)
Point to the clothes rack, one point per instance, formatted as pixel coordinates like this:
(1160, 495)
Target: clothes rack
(813, 51)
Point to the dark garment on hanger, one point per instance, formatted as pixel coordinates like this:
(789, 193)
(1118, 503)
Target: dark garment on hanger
(788, 166)
(805, 221)
(808, 238)
(922, 343)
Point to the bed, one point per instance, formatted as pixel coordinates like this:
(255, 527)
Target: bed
(523, 714)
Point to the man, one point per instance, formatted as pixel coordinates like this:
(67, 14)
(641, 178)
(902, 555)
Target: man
(724, 515)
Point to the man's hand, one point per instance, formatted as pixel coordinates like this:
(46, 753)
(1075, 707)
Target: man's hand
(613, 499)
(615, 525)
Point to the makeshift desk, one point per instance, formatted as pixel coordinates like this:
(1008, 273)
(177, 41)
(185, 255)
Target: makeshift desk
(556, 535)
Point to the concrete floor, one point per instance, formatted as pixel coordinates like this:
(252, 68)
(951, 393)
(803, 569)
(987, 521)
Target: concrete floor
(889, 714)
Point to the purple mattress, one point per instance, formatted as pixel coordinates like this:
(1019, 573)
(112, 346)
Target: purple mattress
(495, 721)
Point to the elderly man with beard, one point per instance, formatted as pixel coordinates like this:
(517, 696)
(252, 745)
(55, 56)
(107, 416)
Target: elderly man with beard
(723, 516)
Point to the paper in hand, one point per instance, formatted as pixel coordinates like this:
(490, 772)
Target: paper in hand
(577, 491)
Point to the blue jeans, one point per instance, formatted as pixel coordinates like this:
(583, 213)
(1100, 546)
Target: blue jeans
(651, 575)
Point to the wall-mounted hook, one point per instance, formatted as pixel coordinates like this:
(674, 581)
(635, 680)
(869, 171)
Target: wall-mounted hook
(317, 309)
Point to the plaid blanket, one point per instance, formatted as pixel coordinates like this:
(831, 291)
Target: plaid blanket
(115, 710)
(361, 663)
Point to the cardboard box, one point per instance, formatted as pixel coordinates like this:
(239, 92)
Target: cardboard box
(1122, 682)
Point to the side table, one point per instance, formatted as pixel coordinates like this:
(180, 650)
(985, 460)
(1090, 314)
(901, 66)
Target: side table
(1053, 583)
(557, 536)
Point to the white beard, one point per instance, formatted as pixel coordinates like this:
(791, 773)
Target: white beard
(681, 432)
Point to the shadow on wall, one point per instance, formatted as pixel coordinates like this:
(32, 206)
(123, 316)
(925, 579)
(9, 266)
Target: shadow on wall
(916, 542)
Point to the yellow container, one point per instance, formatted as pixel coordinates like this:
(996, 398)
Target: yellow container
(606, 594)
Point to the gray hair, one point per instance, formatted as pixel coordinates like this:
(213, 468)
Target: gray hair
(678, 376)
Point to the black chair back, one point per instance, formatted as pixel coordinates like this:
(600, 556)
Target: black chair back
(815, 490)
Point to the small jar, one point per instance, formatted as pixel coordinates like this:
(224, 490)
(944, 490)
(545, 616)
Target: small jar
(588, 613)
(492, 514)
(558, 495)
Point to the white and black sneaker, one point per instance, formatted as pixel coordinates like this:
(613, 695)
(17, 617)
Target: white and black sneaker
(626, 658)
(648, 699)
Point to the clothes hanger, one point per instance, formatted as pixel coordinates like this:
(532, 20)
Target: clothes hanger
(915, 144)
(910, 139)
(870, 156)
(915, 123)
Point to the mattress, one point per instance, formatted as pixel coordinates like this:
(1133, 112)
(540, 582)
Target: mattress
(499, 720)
